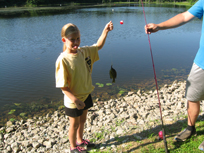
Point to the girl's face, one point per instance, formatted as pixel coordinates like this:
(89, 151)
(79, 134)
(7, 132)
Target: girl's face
(72, 42)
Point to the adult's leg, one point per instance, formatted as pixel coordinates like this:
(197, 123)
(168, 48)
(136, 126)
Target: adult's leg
(74, 125)
(193, 112)
(81, 126)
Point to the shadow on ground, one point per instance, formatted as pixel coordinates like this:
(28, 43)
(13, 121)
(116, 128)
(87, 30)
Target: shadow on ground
(131, 142)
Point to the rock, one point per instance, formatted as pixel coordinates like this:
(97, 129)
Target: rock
(9, 129)
(9, 123)
(36, 144)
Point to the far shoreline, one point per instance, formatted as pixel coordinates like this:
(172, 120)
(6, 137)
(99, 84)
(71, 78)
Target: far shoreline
(51, 10)
(45, 10)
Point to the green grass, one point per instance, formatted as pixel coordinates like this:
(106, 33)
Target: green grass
(151, 144)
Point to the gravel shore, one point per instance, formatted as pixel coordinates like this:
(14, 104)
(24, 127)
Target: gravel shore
(106, 121)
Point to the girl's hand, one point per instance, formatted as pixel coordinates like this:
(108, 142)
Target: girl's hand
(102, 38)
(151, 28)
(79, 104)
(109, 26)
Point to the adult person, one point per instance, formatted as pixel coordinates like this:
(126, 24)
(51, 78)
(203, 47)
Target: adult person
(195, 81)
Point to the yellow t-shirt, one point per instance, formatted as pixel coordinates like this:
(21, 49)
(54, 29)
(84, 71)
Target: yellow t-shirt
(74, 71)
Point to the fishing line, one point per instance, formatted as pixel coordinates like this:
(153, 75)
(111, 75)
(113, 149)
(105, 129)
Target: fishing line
(111, 57)
(155, 78)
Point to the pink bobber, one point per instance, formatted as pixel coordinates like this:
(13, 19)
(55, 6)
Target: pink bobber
(160, 134)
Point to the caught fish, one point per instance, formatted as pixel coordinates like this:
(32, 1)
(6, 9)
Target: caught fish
(113, 74)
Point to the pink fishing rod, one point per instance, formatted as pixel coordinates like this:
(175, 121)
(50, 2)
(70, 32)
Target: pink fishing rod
(155, 78)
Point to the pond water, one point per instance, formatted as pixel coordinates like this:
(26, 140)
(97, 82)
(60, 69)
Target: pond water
(30, 46)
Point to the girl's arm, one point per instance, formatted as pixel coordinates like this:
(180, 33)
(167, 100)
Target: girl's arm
(174, 22)
(79, 104)
(102, 38)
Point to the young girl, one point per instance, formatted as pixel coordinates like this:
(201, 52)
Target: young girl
(73, 75)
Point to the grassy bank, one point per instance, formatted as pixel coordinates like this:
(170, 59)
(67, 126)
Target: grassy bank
(152, 144)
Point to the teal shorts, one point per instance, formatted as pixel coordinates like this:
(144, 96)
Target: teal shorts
(195, 84)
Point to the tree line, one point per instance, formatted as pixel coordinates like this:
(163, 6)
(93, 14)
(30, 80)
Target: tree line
(19, 3)
(48, 2)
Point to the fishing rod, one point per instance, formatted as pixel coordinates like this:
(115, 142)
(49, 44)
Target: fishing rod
(163, 130)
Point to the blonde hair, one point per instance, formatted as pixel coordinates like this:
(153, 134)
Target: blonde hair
(68, 29)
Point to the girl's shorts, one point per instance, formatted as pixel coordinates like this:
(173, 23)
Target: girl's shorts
(195, 84)
(74, 112)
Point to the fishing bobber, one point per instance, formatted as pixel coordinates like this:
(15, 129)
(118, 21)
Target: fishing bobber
(160, 134)
(121, 22)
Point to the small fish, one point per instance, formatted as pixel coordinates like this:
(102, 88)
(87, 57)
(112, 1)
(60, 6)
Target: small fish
(113, 74)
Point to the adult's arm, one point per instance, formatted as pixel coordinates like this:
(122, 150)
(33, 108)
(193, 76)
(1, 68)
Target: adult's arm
(176, 21)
